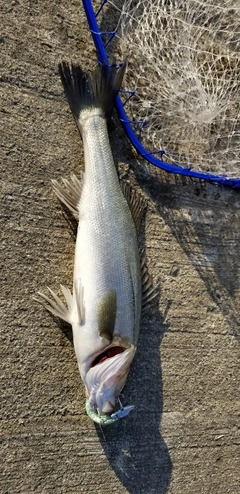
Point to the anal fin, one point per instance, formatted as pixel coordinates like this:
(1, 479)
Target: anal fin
(69, 192)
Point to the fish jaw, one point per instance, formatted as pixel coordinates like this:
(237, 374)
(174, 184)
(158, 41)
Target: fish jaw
(105, 380)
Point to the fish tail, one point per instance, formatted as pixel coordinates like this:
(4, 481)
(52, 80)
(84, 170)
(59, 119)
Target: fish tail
(87, 91)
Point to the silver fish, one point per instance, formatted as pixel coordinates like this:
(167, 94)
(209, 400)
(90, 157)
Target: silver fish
(105, 307)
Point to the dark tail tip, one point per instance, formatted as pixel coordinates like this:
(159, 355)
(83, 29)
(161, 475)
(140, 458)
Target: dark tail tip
(96, 90)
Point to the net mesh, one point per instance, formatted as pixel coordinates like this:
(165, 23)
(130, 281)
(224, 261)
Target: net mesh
(184, 63)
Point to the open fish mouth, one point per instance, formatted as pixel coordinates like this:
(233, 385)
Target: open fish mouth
(104, 382)
(107, 353)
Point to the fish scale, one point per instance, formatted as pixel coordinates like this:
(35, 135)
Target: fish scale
(107, 254)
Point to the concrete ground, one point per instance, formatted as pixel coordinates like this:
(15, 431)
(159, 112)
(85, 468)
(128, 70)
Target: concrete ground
(183, 436)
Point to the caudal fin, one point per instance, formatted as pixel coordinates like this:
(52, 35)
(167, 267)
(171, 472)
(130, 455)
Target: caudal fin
(96, 90)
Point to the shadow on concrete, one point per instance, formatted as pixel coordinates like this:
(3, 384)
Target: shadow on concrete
(135, 449)
(134, 446)
(205, 220)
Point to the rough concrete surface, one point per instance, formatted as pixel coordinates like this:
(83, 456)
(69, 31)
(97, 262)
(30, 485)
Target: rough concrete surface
(183, 434)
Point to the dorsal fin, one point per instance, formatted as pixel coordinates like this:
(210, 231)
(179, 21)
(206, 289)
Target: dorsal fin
(69, 192)
(106, 314)
(136, 202)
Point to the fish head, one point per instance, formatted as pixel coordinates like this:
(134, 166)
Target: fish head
(106, 377)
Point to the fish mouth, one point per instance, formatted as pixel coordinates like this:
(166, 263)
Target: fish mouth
(106, 377)
(100, 361)
(106, 354)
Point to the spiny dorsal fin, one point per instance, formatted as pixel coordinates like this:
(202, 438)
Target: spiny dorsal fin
(106, 314)
(136, 202)
(149, 292)
(69, 193)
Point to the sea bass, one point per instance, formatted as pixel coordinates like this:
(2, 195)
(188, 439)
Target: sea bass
(105, 306)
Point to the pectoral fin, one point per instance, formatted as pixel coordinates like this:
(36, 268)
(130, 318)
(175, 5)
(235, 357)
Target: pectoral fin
(106, 314)
(79, 300)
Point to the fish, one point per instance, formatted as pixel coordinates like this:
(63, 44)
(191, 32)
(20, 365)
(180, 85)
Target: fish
(110, 279)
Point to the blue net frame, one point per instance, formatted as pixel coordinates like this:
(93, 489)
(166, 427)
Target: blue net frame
(128, 125)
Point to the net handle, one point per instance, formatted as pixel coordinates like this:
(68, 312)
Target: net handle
(102, 58)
